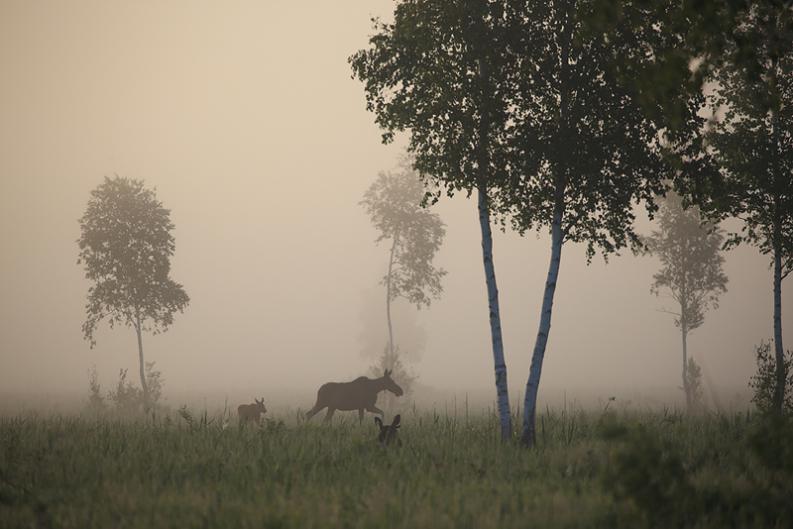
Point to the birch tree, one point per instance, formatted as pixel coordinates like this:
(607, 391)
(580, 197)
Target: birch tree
(439, 73)
(394, 204)
(126, 247)
(691, 274)
(598, 153)
(753, 143)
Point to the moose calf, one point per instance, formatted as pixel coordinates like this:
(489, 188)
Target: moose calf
(251, 412)
(388, 432)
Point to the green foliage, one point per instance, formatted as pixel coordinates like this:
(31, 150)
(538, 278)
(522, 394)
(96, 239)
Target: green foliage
(393, 203)
(126, 246)
(763, 382)
(753, 139)
(587, 152)
(438, 72)
(655, 470)
(659, 482)
(686, 43)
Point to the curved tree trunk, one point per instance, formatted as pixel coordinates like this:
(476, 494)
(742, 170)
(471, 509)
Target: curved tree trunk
(502, 390)
(528, 436)
(143, 384)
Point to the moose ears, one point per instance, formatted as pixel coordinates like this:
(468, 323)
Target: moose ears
(378, 422)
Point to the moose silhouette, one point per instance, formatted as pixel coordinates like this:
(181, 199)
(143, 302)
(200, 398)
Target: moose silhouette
(360, 394)
(251, 412)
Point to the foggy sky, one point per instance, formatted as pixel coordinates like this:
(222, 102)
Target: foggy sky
(244, 117)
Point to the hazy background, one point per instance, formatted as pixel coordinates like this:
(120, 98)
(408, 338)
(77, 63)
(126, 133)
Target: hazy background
(244, 117)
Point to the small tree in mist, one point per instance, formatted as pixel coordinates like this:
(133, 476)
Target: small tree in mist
(126, 247)
(691, 272)
(394, 204)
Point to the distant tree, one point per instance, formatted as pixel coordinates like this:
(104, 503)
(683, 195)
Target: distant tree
(126, 246)
(438, 71)
(753, 144)
(588, 152)
(689, 248)
(394, 204)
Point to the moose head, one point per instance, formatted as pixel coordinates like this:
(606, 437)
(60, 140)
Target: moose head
(390, 385)
(388, 432)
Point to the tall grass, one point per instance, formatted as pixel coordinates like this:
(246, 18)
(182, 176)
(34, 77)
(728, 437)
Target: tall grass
(197, 470)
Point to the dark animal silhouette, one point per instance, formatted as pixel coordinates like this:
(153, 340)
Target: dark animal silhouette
(251, 412)
(388, 432)
(360, 394)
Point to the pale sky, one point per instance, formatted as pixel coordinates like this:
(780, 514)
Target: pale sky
(244, 117)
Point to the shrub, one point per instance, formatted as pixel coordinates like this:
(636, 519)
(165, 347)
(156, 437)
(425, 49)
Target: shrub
(694, 385)
(126, 398)
(763, 382)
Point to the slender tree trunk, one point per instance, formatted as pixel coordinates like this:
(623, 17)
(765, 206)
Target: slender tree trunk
(388, 297)
(528, 436)
(143, 383)
(686, 388)
(779, 390)
(502, 390)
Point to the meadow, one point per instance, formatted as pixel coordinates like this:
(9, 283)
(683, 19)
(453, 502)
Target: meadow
(590, 469)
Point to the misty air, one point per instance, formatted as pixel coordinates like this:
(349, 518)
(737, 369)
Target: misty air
(409, 263)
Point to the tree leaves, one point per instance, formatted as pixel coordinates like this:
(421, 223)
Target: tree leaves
(394, 203)
(125, 247)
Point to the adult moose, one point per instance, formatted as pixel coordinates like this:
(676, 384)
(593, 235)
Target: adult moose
(360, 394)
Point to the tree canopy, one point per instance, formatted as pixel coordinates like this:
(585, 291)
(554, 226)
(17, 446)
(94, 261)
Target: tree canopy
(126, 246)
(394, 204)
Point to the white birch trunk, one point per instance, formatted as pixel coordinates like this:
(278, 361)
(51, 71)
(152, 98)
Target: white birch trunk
(528, 435)
(502, 390)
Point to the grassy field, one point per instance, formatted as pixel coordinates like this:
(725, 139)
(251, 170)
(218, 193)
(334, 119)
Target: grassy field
(589, 470)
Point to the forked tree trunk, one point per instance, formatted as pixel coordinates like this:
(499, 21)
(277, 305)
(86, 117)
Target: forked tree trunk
(143, 384)
(779, 389)
(528, 436)
(502, 390)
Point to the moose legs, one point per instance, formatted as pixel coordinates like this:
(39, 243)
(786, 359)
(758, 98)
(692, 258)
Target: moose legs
(313, 411)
